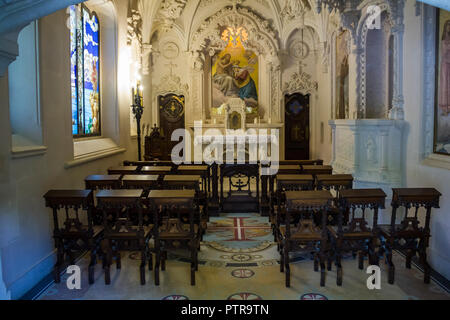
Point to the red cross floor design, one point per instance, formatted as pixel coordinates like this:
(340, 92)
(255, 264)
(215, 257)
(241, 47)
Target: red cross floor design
(239, 229)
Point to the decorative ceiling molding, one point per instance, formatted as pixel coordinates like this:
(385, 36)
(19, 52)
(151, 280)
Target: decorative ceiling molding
(261, 36)
(169, 11)
(294, 10)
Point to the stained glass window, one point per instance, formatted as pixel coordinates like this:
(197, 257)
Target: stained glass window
(85, 71)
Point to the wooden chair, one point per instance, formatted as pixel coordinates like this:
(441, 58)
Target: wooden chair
(317, 162)
(72, 231)
(141, 181)
(282, 170)
(122, 233)
(357, 236)
(240, 194)
(101, 182)
(202, 170)
(316, 170)
(170, 231)
(409, 236)
(156, 170)
(305, 235)
(286, 182)
(123, 170)
(146, 183)
(150, 163)
(190, 182)
(337, 183)
(155, 145)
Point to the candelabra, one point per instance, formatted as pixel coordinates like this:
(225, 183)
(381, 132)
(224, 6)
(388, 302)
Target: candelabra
(138, 110)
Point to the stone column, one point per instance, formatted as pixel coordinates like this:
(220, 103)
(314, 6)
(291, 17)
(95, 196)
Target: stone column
(397, 111)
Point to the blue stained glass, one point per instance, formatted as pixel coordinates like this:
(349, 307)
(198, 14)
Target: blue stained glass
(91, 67)
(85, 66)
(73, 68)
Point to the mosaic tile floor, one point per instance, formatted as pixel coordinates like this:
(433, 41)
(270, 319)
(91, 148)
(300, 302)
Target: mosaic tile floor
(239, 261)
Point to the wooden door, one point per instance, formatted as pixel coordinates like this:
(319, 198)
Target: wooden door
(297, 127)
(171, 115)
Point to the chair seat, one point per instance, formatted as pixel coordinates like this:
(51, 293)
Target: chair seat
(350, 235)
(385, 230)
(315, 236)
(184, 234)
(81, 234)
(112, 234)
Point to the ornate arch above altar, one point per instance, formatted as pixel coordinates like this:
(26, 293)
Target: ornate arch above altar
(261, 36)
(255, 34)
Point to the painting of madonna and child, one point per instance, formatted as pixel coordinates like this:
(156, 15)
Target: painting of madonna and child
(442, 111)
(234, 75)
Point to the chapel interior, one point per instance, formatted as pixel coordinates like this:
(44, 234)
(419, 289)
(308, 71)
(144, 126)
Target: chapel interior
(225, 149)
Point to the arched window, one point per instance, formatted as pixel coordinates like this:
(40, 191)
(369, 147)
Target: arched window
(85, 71)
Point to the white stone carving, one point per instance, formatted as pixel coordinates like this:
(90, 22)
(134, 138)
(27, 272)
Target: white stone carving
(170, 50)
(261, 36)
(300, 82)
(293, 9)
(171, 10)
(299, 50)
(370, 150)
(146, 51)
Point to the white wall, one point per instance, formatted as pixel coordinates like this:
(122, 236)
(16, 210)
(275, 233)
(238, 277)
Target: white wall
(417, 174)
(27, 248)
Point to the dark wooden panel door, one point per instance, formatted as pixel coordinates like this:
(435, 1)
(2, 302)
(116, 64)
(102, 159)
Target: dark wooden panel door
(297, 127)
(171, 115)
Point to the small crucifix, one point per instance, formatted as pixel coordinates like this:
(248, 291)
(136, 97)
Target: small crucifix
(171, 65)
(300, 66)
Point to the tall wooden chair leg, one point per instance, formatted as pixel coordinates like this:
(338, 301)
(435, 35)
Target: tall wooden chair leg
(360, 260)
(150, 260)
(322, 269)
(93, 262)
(409, 256)
(423, 261)
(391, 266)
(193, 250)
(142, 266)
(157, 262)
(287, 267)
(108, 263)
(59, 261)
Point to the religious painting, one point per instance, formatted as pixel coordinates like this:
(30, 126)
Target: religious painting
(342, 101)
(85, 71)
(234, 75)
(442, 109)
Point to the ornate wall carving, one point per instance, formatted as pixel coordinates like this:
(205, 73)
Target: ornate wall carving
(300, 82)
(262, 37)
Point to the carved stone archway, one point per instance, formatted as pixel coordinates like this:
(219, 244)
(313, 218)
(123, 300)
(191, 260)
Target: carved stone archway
(262, 39)
(394, 9)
